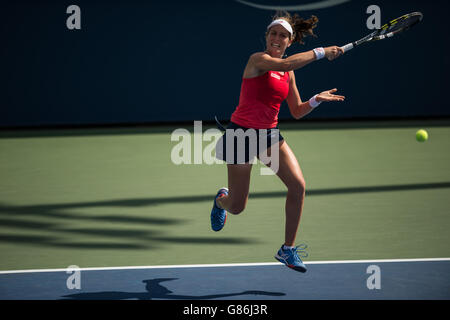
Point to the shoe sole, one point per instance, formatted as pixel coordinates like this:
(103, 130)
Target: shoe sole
(299, 269)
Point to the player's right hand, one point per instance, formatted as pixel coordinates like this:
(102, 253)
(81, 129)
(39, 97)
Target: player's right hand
(333, 52)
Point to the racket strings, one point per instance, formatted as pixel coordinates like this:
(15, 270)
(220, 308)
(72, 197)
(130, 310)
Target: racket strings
(403, 23)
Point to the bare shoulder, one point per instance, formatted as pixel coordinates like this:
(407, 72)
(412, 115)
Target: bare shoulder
(259, 55)
(252, 70)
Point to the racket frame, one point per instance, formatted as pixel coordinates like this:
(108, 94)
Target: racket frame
(379, 34)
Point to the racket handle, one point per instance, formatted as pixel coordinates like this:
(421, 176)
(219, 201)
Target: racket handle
(347, 47)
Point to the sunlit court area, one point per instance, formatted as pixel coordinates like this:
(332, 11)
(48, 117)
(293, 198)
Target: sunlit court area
(112, 197)
(108, 174)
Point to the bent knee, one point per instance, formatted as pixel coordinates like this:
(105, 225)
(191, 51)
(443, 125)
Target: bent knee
(298, 186)
(237, 208)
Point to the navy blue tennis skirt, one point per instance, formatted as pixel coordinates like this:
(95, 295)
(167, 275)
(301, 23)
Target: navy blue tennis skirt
(240, 145)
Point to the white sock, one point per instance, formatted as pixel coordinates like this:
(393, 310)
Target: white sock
(285, 247)
(217, 204)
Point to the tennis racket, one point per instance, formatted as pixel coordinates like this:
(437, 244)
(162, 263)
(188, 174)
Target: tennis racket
(388, 30)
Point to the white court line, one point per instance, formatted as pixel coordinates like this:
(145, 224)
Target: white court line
(223, 265)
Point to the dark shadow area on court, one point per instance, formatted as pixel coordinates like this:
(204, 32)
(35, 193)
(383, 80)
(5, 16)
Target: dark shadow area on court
(335, 191)
(144, 232)
(154, 290)
(140, 235)
(52, 209)
(169, 127)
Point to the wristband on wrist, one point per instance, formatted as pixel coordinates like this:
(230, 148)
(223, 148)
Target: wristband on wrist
(319, 52)
(313, 102)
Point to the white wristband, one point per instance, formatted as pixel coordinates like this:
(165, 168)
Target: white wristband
(319, 52)
(313, 102)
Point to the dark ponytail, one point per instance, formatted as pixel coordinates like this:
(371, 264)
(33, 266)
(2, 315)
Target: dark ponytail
(302, 27)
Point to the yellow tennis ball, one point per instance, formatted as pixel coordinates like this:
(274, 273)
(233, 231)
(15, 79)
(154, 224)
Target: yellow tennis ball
(421, 135)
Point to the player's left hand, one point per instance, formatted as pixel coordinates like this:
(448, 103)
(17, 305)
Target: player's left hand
(329, 95)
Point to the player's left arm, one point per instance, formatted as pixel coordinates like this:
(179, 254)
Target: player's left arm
(300, 109)
(297, 108)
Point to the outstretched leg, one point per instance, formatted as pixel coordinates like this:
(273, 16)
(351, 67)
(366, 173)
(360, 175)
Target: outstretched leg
(288, 170)
(290, 173)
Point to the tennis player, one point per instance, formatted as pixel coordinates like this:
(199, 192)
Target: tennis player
(269, 79)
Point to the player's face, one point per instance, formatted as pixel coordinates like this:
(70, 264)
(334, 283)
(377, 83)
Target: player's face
(277, 40)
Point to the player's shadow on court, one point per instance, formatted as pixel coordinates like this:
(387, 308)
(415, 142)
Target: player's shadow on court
(154, 290)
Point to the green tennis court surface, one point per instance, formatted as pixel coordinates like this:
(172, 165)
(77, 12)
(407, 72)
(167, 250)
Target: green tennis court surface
(113, 197)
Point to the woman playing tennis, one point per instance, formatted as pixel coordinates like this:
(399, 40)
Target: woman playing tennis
(268, 80)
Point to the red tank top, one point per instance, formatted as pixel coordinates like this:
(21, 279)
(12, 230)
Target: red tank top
(260, 100)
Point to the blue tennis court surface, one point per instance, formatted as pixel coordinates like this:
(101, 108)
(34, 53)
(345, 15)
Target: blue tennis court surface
(349, 280)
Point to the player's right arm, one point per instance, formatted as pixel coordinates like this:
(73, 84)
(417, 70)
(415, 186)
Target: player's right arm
(264, 62)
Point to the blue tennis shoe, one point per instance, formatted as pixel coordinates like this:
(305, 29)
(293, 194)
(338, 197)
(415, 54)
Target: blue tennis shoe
(218, 215)
(291, 258)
